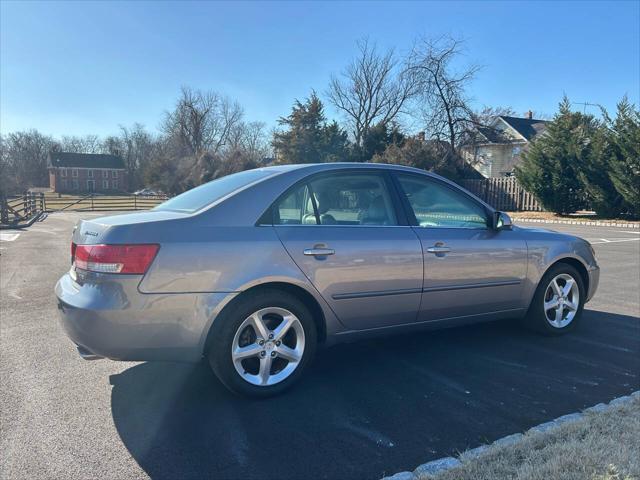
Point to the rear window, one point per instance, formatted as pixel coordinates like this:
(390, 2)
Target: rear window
(199, 197)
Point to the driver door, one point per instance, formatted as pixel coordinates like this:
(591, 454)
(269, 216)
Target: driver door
(469, 268)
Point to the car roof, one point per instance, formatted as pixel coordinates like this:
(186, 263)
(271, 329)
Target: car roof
(319, 167)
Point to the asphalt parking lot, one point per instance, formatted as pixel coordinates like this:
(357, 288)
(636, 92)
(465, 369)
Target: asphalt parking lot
(364, 410)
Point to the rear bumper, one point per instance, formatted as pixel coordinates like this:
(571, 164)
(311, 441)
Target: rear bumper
(594, 280)
(110, 318)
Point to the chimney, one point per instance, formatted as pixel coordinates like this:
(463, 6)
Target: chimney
(529, 115)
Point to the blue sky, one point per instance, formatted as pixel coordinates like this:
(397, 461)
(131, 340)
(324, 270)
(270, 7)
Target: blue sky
(87, 67)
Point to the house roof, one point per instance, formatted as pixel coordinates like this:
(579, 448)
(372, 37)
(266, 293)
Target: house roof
(85, 160)
(526, 127)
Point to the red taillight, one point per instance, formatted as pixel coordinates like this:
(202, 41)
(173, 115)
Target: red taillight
(132, 259)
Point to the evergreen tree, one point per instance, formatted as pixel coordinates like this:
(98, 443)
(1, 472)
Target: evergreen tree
(308, 138)
(594, 149)
(378, 138)
(550, 168)
(624, 155)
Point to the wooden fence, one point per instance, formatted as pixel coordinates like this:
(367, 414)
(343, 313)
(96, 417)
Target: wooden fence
(21, 209)
(24, 209)
(504, 194)
(98, 203)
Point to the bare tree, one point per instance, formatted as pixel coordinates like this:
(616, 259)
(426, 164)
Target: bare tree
(77, 144)
(373, 90)
(23, 161)
(201, 121)
(250, 138)
(444, 104)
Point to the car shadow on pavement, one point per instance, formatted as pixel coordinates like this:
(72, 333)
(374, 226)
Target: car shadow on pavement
(374, 407)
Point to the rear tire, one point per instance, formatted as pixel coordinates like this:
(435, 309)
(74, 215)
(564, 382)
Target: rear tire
(558, 302)
(262, 344)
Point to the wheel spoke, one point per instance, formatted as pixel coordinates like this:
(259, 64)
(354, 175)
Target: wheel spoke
(240, 353)
(556, 288)
(559, 311)
(571, 306)
(260, 328)
(265, 369)
(551, 304)
(567, 287)
(289, 354)
(282, 329)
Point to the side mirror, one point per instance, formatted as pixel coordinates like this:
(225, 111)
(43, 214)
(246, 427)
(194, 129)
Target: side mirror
(502, 221)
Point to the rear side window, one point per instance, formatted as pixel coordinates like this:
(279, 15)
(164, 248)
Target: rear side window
(351, 199)
(296, 208)
(199, 197)
(436, 205)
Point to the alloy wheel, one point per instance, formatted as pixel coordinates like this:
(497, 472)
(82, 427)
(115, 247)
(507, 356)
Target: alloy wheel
(268, 346)
(561, 300)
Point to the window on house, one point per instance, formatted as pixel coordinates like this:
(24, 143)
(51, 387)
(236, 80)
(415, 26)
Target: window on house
(91, 185)
(114, 184)
(105, 184)
(90, 174)
(114, 174)
(63, 172)
(74, 172)
(105, 174)
(76, 185)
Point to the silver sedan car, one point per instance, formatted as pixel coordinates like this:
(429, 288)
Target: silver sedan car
(254, 270)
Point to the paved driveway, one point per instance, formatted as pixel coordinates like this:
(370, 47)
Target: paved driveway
(363, 410)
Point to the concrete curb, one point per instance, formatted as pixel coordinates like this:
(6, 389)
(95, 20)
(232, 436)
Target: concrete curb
(440, 465)
(595, 223)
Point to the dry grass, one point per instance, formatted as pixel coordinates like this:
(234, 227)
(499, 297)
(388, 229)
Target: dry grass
(600, 446)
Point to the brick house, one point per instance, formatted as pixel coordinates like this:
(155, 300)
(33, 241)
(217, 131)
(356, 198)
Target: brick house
(495, 150)
(86, 172)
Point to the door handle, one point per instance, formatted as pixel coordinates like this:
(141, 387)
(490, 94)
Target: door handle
(318, 252)
(438, 249)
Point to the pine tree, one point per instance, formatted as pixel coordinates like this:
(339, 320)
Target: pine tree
(308, 138)
(551, 165)
(594, 149)
(624, 155)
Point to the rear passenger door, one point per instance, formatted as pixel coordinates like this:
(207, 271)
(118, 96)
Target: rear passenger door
(348, 234)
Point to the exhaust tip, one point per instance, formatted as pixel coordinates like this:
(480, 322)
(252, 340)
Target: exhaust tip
(86, 354)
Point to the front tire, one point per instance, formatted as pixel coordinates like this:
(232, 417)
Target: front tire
(557, 305)
(263, 343)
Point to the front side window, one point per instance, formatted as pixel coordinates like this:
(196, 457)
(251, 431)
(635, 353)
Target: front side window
(437, 205)
(74, 172)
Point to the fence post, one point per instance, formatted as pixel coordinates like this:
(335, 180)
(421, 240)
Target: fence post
(4, 211)
(135, 202)
(92, 201)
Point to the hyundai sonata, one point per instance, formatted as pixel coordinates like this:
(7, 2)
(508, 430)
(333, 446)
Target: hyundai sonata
(254, 270)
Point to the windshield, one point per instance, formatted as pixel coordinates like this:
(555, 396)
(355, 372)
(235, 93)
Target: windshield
(199, 197)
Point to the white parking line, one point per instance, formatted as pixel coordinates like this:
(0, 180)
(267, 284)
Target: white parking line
(604, 240)
(8, 237)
